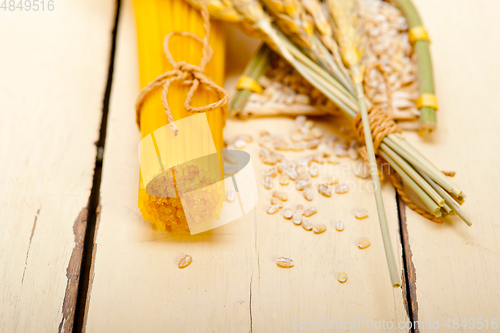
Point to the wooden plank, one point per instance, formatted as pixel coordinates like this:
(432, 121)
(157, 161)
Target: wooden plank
(135, 274)
(456, 266)
(233, 284)
(54, 70)
(282, 299)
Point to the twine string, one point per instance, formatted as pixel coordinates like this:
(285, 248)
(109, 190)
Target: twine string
(381, 126)
(186, 74)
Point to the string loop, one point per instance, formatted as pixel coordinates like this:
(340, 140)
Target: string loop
(186, 74)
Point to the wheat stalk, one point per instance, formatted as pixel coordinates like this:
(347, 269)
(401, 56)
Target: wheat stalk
(349, 40)
(337, 93)
(292, 18)
(324, 32)
(256, 20)
(254, 15)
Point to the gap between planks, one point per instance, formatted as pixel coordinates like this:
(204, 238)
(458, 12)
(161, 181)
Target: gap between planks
(408, 275)
(88, 255)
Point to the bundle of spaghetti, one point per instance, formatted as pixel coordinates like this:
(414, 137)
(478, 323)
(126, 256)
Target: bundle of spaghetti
(155, 19)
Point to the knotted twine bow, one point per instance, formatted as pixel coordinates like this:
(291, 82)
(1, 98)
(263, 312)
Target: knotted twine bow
(187, 74)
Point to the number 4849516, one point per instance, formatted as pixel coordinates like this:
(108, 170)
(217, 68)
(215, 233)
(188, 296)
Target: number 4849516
(27, 5)
(472, 323)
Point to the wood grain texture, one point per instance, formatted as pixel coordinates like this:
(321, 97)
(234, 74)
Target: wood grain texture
(456, 266)
(310, 291)
(233, 284)
(53, 66)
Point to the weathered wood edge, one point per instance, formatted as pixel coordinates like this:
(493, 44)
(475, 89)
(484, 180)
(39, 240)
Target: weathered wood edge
(409, 275)
(73, 273)
(92, 267)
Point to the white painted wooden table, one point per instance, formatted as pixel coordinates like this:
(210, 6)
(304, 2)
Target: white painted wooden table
(54, 72)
